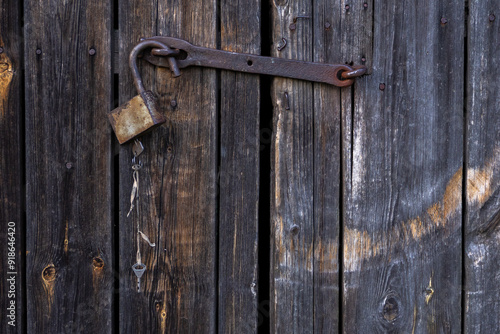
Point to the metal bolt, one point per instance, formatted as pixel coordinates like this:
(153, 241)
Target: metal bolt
(173, 103)
(363, 59)
(293, 26)
(69, 165)
(1, 50)
(38, 51)
(92, 52)
(327, 25)
(365, 5)
(492, 17)
(444, 20)
(381, 86)
(346, 7)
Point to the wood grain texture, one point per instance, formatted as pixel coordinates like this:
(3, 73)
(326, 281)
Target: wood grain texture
(292, 178)
(327, 18)
(482, 259)
(68, 167)
(11, 170)
(178, 180)
(239, 174)
(402, 231)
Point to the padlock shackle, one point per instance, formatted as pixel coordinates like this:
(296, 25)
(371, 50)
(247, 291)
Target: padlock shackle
(141, 46)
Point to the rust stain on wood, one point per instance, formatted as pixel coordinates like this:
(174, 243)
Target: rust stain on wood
(452, 199)
(360, 245)
(326, 255)
(66, 241)
(6, 75)
(483, 182)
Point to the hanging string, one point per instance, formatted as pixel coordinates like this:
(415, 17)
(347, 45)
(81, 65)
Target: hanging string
(135, 186)
(139, 268)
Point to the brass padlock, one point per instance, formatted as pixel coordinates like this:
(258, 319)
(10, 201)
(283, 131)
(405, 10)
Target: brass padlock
(140, 114)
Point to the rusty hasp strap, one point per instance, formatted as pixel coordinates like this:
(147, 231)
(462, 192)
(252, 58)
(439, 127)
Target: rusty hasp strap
(187, 54)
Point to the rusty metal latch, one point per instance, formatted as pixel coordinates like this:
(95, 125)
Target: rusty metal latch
(141, 114)
(181, 54)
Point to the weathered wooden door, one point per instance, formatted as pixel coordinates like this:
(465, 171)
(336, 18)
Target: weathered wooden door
(276, 205)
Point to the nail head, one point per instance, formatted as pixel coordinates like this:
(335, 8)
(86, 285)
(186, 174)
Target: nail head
(365, 5)
(444, 20)
(381, 86)
(327, 25)
(69, 165)
(173, 103)
(1, 50)
(92, 52)
(38, 51)
(292, 26)
(492, 17)
(346, 7)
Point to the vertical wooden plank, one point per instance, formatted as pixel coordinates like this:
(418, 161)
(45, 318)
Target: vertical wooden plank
(137, 19)
(356, 26)
(239, 174)
(402, 234)
(178, 180)
(68, 159)
(292, 161)
(327, 133)
(482, 258)
(13, 318)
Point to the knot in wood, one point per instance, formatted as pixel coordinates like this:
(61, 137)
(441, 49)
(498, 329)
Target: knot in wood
(98, 263)
(294, 229)
(4, 67)
(49, 273)
(390, 310)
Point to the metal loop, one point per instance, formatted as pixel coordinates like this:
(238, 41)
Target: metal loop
(165, 52)
(136, 165)
(133, 61)
(357, 72)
